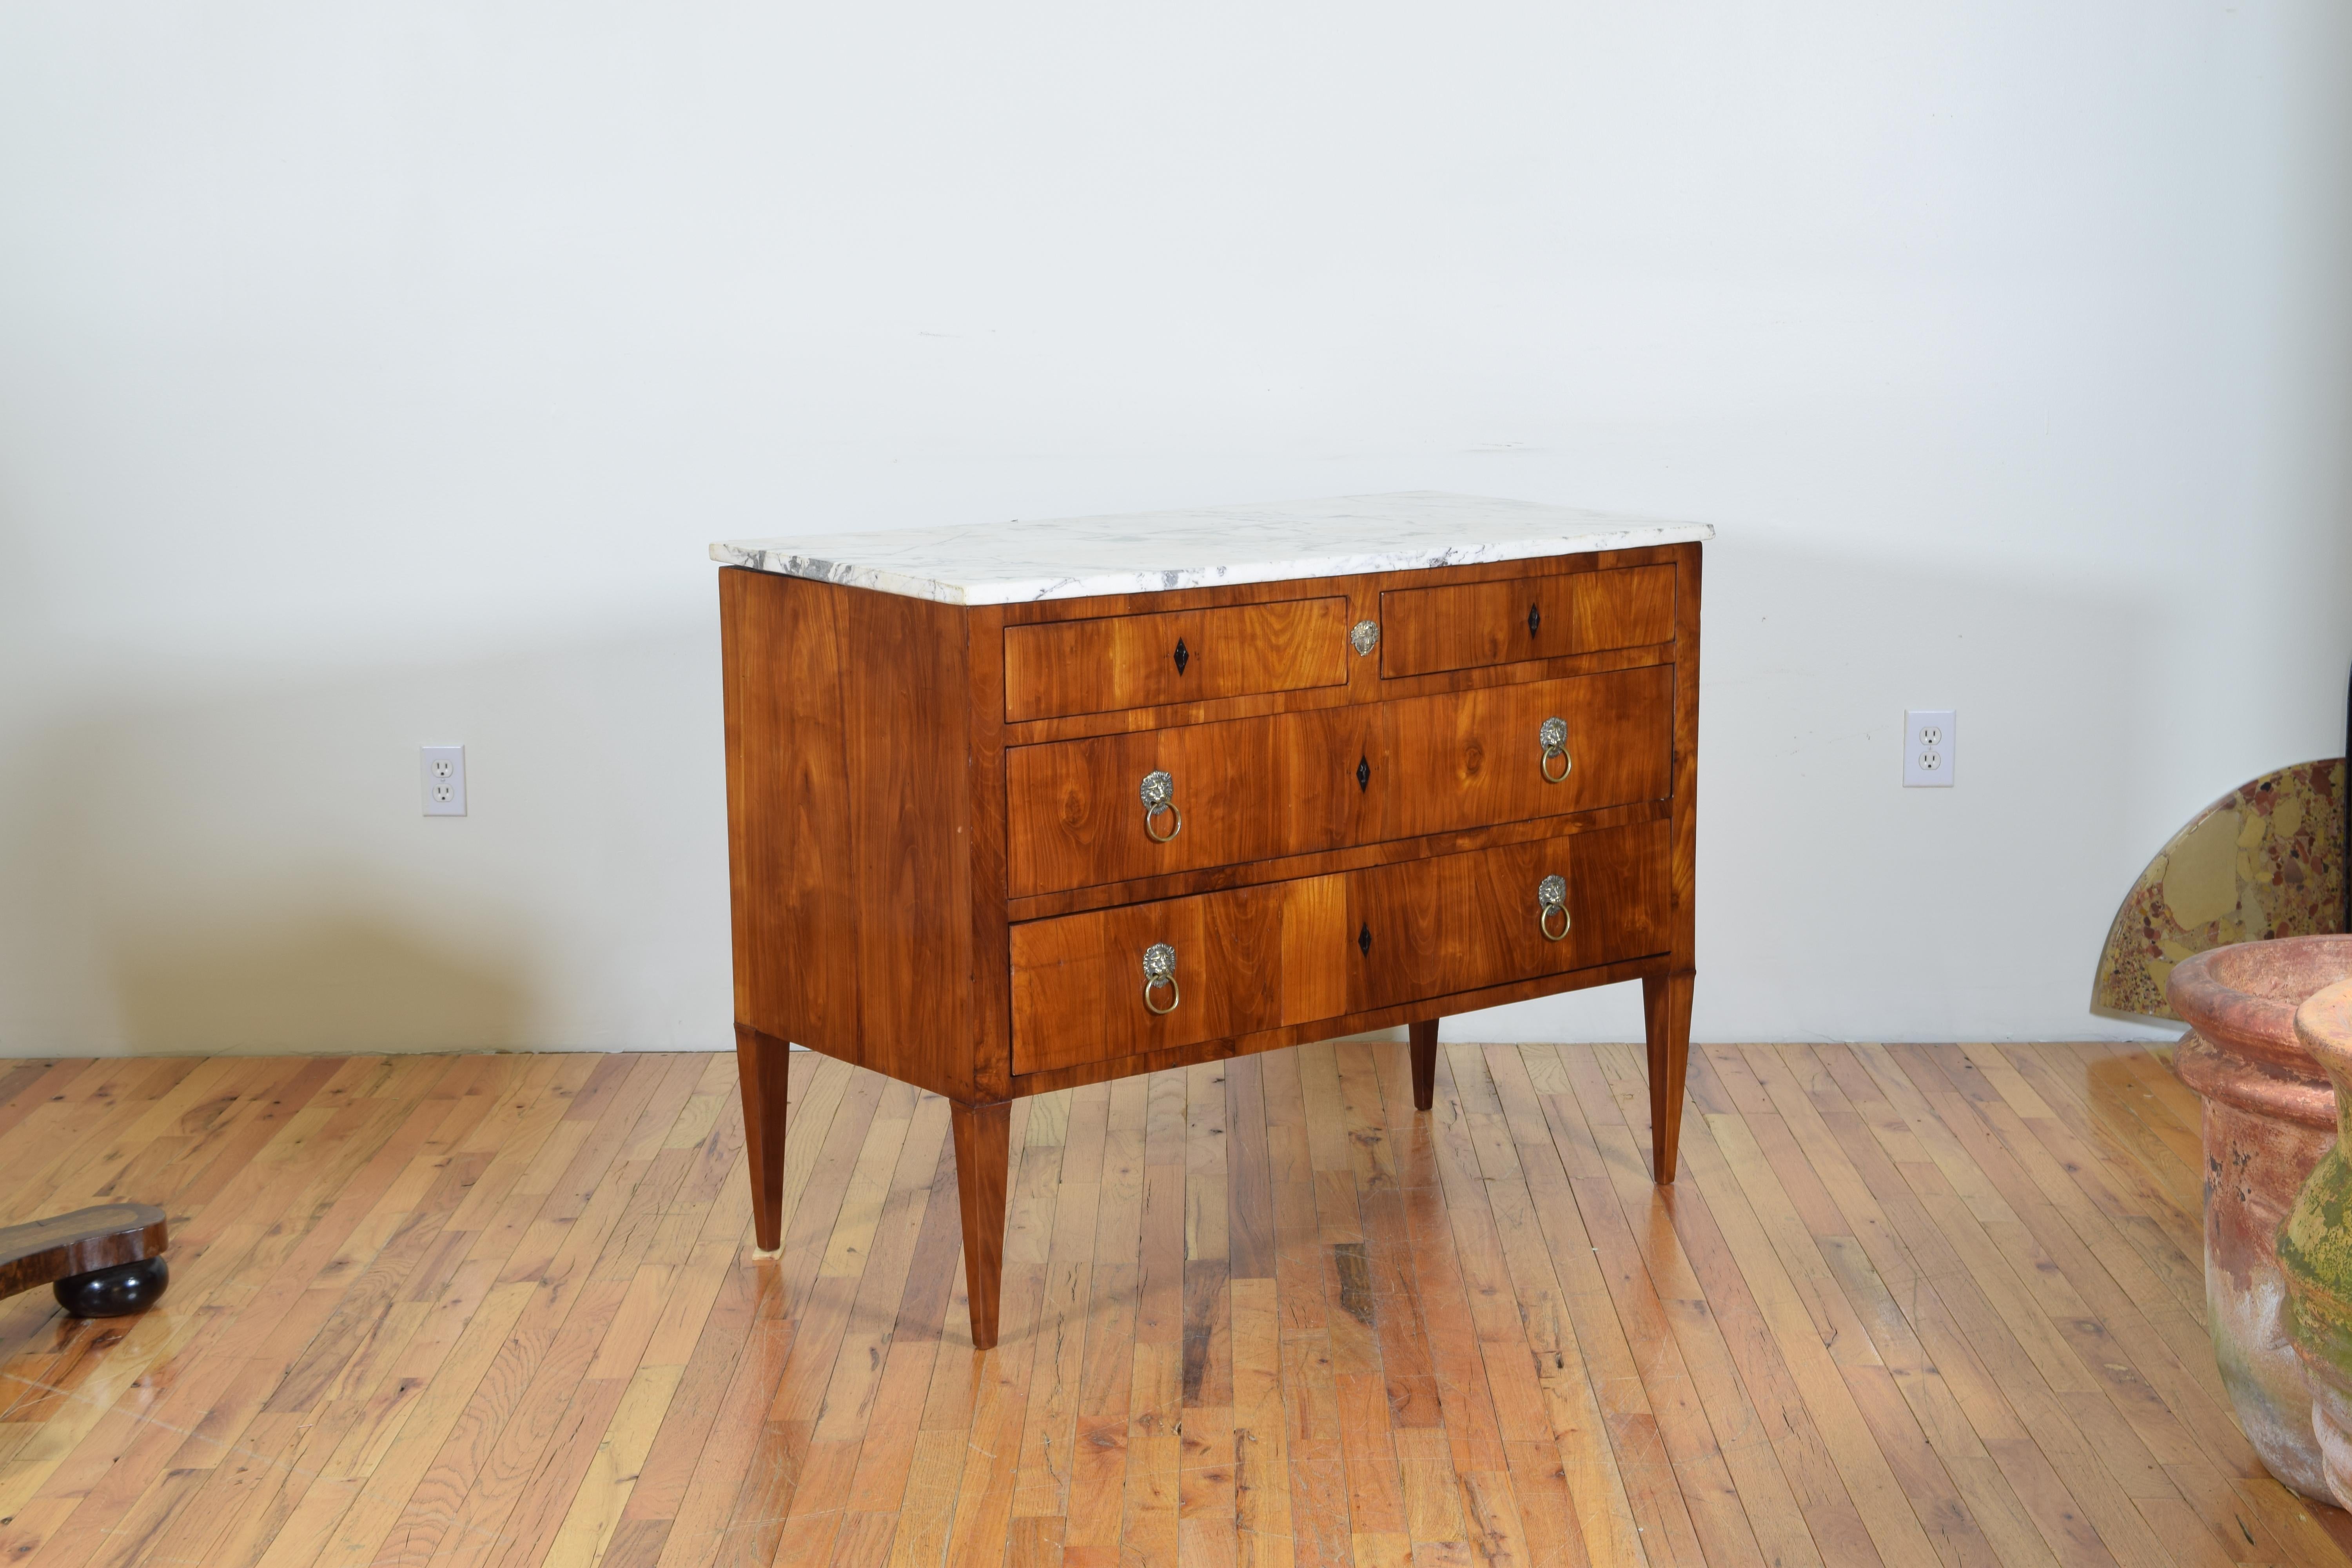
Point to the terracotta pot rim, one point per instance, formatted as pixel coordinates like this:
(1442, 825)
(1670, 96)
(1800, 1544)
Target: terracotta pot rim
(2248, 1024)
(2323, 1024)
(2256, 1086)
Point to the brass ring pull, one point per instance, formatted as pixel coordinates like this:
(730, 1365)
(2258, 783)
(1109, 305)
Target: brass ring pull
(1552, 898)
(1160, 795)
(1159, 970)
(1553, 738)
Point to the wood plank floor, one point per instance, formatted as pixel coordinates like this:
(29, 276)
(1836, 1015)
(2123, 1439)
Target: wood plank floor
(1908, 1305)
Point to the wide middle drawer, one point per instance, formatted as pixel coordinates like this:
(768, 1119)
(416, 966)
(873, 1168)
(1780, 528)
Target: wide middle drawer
(1293, 784)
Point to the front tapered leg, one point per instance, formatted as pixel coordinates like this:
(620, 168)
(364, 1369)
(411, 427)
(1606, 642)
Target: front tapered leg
(1665, 1019)
(981, 1167)
(1425, 1064)
(760, 1063)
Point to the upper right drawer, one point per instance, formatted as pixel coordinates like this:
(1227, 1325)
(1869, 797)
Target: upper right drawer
(1426, 630)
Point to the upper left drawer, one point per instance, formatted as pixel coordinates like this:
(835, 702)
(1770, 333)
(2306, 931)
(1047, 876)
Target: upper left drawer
(1060, 668)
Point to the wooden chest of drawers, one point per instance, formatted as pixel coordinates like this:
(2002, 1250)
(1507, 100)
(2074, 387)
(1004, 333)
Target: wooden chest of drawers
(992, 848)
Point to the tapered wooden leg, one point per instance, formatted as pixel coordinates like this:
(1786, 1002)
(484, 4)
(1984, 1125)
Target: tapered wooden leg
(1665, 1019)
(981, 1167)
(760, 1063)
(1424, 1064)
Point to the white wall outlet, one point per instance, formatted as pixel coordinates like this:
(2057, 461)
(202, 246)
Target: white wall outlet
(445, 781)
(1928, 737)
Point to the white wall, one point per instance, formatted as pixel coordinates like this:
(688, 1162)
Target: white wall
(375, 375)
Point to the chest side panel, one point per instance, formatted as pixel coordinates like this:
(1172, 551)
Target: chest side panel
(793, 869)
(849, 808)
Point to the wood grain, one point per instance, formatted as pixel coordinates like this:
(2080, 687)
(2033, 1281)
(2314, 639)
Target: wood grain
(1253, 789)
(1081, 1073)
(980, 1135)
(937, 872)
(1463, 922)
(762, 1069)
(1326, 948)
(1128, 661)
(40, 1251)
(1456, 626)
(848, 820)
(1666, 1020)
(1282, 868)
(1910, 1304)
(1425, 1063)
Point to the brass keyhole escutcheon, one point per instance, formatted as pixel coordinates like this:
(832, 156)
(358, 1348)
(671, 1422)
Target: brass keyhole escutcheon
(1183, 656)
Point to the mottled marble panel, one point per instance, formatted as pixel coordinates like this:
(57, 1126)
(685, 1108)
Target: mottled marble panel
(2265, 860)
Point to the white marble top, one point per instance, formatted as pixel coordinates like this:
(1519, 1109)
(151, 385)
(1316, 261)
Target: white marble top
(1145, 552)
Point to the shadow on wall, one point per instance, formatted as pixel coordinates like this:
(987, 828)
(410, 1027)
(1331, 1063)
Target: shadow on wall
(248, 867)
(1833, 904)
(353, 980)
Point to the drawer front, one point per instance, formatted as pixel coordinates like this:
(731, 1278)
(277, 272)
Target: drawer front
(1292, 784)
(1425, 630)
(1178, 655)
(1322, 947)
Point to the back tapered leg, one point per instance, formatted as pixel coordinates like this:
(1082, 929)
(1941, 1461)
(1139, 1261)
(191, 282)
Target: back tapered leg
(1425, 1064)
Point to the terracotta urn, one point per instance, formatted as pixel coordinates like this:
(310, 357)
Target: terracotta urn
(2270, 1115)
(2315, 1250)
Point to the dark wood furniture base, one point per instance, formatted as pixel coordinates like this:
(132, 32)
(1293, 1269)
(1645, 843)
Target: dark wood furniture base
(104, 1262)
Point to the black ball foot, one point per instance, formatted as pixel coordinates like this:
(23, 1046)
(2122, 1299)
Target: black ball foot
(115, 1293)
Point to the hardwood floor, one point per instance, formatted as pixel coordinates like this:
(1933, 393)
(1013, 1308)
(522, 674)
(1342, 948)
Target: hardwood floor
(1907, 1305)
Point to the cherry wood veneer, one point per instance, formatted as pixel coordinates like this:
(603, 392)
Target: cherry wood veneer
(1299, 951)
(1292, 784)
(1131, 661)
(940, 870)
(1458, 624)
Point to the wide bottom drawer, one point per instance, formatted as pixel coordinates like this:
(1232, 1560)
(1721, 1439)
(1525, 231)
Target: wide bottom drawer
(1248, 959)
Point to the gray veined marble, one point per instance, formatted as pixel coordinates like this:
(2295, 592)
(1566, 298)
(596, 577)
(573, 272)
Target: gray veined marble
(1070, 558)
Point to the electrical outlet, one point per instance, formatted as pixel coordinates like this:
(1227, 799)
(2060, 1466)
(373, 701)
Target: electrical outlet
(1928, 744)
(445, 781)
